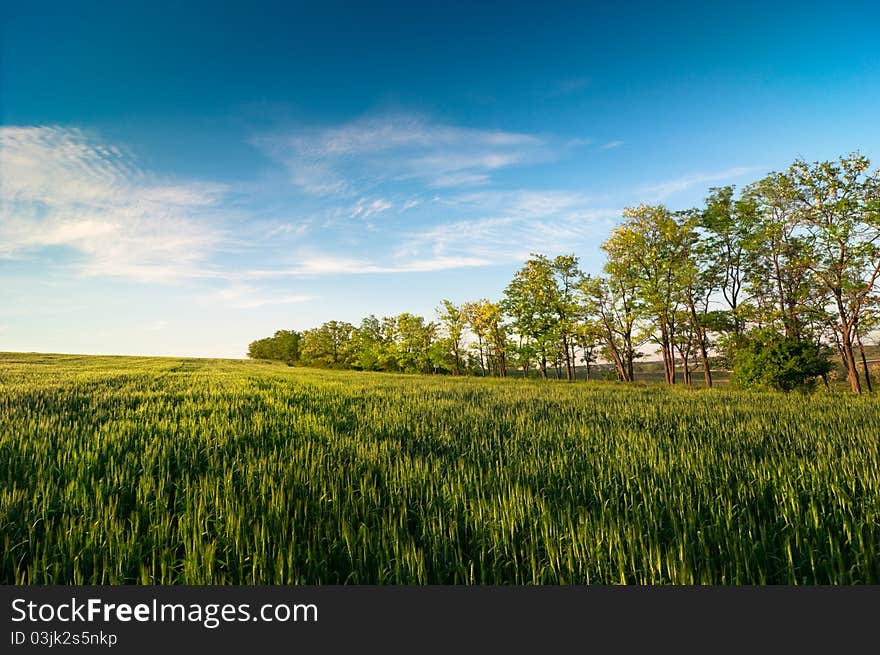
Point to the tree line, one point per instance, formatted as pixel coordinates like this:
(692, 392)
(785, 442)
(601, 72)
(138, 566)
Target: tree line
(771, 280)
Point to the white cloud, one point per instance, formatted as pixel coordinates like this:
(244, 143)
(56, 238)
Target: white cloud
(578, 142)
(668, 188)
(506, 227)
(316, 177)
(524, 203)
(61, 187)
(611, 145)
(288, 228)
(450, 163)
(245, 296)
(347, 159)
(453, 180)
(366, 208)
(518, 224)
(321, 264)
(401, 131)
(280, 300)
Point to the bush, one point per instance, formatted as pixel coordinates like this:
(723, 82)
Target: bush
(768, 359)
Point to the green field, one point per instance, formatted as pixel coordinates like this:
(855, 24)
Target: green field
(137, 470)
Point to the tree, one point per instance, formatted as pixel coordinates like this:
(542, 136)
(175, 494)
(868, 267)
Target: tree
(283, 346)
(729, 225)
(414, 339)
(700, 275)
(609, 307)
(647, 251)
(486, 320)
(492, 316)
(685, 342)
(838, 207)
(471, 311)
(454, 322)
(329, 345)
(781, 285)
(566, 272)
(587, 336)
(370, 347)
(531, 301)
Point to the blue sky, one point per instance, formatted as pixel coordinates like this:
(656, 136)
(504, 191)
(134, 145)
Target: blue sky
(182, 178)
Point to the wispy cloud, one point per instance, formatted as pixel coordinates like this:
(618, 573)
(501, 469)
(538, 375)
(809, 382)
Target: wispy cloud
(317, 264)
(611, 145)
(517, 224)
(288, 228)
(578, 142)
(498, 228)
(524, 204)
(356, 156)
(365, 208)
(246, 296)
(272, 300)
(665, 189)
(461, 179)
(61, 187)
(505, 239)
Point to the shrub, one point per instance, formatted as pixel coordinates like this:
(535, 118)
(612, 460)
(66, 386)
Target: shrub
(768, 359)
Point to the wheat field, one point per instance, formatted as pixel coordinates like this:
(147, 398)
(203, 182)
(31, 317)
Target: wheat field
(120, 470)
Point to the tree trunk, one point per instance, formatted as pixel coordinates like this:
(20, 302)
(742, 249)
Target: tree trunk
(850, 360)
(701, 338)
(838, 345)
(668, 352)
(704, 357)
(685, 365)
(864, 363)
(567, 357)
(786, 324)
(617, 359)
(668, 364)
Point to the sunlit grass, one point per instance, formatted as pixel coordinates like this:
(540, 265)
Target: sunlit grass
(136, 470)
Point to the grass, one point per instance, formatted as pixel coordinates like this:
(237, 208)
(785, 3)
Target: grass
(179, 471)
